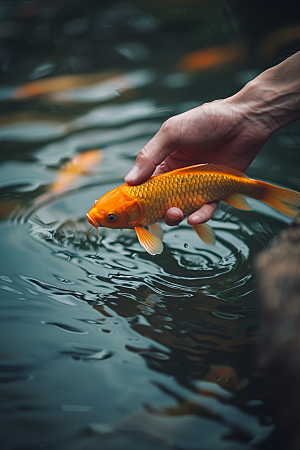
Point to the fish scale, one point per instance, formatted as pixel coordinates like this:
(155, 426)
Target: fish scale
(188, 189)
(187, 192)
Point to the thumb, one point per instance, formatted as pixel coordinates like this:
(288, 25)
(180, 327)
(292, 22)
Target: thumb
(153, 154)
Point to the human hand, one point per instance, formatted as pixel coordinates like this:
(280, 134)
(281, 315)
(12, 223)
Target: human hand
(224, 132)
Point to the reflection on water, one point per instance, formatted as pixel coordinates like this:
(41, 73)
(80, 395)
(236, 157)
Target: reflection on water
(101, 342)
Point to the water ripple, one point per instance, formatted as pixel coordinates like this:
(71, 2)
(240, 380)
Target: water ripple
(67, 328)
(87, 353)
(187, 265)
(103, 343)
(13, 373)
(194, 300)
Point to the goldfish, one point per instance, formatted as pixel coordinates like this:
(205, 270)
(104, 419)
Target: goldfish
(226, 377)
(81, 164)
(212, 57)
(84, 88)
(50, 85)
(187, 188)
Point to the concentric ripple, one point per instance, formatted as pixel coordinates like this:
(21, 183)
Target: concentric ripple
(186, 263)
(192, 291)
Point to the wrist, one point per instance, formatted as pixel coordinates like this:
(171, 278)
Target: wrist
(272, 100)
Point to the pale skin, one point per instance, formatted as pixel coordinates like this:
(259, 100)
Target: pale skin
(230, 131)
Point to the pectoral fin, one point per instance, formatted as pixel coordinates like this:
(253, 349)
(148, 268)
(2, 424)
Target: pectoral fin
(205, 233)
(149, 241)
(237, 201)
(157, 230)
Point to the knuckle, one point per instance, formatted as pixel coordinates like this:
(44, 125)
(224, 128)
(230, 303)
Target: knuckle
(144, 155)
(169, 126)
(145, 159)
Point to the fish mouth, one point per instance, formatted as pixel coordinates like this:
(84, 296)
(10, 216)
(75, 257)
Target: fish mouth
(92, 222)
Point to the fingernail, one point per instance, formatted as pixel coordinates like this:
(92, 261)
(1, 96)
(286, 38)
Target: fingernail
(132, 174)
(175, 217)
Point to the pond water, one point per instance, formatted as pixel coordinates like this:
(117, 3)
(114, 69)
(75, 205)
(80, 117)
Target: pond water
(103, 345)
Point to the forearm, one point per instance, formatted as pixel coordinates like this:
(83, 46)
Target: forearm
(273, 98)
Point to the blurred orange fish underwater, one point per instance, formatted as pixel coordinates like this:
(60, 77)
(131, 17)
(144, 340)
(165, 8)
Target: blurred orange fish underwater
(211, 57)
(50, 85)
(84, 88)
(226, 377)
(81, 164)
(187, 188)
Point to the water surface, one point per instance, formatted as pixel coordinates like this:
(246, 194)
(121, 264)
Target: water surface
(101, 343)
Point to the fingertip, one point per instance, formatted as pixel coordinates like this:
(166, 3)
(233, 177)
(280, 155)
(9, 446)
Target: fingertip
(203, 214)
(132, 175)
(173, 216)
(140, 172)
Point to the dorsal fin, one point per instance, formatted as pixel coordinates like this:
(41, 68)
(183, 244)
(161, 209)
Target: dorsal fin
(208, 167)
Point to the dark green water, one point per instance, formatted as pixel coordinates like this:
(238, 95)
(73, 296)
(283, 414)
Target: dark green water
(103, 345)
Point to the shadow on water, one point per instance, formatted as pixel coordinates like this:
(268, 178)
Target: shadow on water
(103, 344)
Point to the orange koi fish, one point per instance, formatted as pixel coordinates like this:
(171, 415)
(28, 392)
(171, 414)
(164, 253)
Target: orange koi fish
(188, 189)
(81, 164)
(50, 85)
(212, 57)
(226, 377)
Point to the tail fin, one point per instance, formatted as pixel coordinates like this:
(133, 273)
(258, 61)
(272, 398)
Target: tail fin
(285, 201)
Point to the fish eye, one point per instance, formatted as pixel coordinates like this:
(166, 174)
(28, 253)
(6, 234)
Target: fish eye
(111, 216)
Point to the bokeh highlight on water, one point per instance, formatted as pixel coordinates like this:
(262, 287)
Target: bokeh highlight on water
(101, 343)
